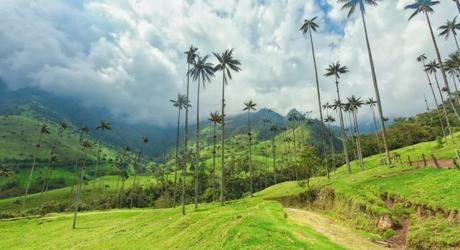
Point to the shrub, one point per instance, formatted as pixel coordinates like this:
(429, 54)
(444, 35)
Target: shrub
(388, 234)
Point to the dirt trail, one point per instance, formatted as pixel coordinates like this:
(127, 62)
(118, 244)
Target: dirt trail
(336, 233)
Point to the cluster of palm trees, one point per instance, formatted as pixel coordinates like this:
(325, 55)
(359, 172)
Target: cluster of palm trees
(449, 66)
(200, 71)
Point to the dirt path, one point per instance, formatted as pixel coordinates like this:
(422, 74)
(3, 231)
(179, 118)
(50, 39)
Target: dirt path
(336, 233)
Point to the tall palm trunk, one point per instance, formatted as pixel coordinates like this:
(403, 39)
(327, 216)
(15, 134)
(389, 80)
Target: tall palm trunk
(77, 197)
(250, 153)
(376, 130)
(456, 42)
(222, 156)
(274, 159)
(29, 179)
(457, 2)
(198, 161)
(444, 109)
(184, 166)
(443, 72)
(435, 101)
(342, 128)
(376, 89)
(352, 134)
(97, 164)
(331, 141)
(177, 158)
(358, 140)
(454, 80)
(295, 153)
(323, 139)
(213, 172)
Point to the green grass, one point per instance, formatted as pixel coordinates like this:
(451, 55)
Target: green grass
(244, 224)
(19, 136)
(104, 184)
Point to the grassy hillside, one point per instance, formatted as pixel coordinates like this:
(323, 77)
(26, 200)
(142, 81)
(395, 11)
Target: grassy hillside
(19, 136)
(359, 201)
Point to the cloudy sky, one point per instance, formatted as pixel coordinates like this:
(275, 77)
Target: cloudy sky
(127, 55)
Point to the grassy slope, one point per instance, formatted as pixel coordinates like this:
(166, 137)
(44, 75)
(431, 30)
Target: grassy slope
(19, 135)
(64, 194)
(251, 223)
(244, 224)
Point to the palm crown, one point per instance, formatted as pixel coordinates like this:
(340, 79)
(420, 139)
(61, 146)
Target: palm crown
(309, 25)
(329, 119)
(44, 129)
(248, 106)
(421, 58)
(432, 67)
(424, 6)
(104, 125)
(202, 70)
(351, 5)
(336, 70)
(215, 118)
(227, 64)
(354, 103)
(371, 102)
(191, 54)
(450, 27)
(181, 101)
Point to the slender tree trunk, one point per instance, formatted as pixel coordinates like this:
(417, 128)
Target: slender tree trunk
(274, 159)
(177, 158)
(184, 166)
(213, 173)
(77, 198)
(295, 154)
(358, 140)
(331, 141)
(456, 42)
(250, 155)
(342, 127)
(136, 162)
(443, 72)
(222, 156)
(444, 109)
(286, 150)
(457, 2)
(376, 130)
(376, 89)
(97, 164)
(435, 101)
(456, 89)
(318, 93)
(198, 161)
(29, 179)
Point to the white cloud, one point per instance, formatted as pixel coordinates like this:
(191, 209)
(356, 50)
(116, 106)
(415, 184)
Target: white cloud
(127, 55)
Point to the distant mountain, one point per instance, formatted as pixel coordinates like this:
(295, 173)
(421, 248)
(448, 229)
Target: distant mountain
(56, 108)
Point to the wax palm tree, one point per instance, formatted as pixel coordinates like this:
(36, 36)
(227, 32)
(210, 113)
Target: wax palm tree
(86, 145)
(250, 106)
(103, 126)
(451, 66)
(63, 125)
(335, 70)
(274, 129)
(422, 59)
(215, 118)
(426, 6)
(355, 104)
(191, 58)
(145, 141)
(308, 26)
(201, 73)
(351, 6)
(44, 130)
(226, 64)
(449, 28)
(180, 103)
(293, 118)
(329, 119)
(372, 103)
(432, 68)
(5, 171)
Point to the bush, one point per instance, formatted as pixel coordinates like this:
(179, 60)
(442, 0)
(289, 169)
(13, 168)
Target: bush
(164, 201)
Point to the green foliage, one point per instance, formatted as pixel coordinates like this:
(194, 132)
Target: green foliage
(388, 234)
